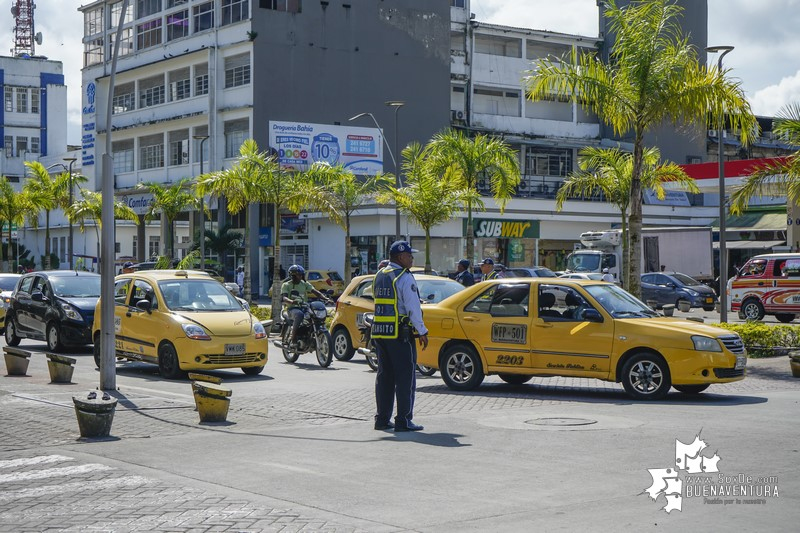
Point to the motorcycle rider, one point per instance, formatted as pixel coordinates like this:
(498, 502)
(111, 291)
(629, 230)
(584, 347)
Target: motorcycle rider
(294, 293)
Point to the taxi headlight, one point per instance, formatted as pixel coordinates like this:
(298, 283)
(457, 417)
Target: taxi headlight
(706, 344)
(193, 331)
(71, 312)
(259, 331)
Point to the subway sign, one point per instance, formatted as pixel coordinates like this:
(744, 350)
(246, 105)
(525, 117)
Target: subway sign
(504, 229)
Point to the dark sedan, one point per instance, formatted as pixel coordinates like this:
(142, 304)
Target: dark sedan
(56, 306)
(673, 287)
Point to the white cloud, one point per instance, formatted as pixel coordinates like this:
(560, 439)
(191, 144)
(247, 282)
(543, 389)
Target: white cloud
(768, 100)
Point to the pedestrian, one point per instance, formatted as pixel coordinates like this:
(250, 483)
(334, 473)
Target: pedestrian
(663, 268)
(397, 316)
(607, 276)
(127, 267)
(240, 280)
(487, 270)
(464, 276)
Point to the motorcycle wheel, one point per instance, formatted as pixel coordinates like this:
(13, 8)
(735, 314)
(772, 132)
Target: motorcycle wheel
(289, 355)
(324, 349)
(372, 359)
(426, 370)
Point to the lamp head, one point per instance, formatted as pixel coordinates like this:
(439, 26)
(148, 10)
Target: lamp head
(395, 103)
(716, 49)
(358, 116)
(199, 137)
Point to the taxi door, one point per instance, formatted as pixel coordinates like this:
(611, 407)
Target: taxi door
(499, 322)
(137, 330)
(562, 342)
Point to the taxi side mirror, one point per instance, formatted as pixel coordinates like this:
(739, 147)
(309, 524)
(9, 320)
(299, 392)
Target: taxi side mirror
(592, 315)
(144, 305)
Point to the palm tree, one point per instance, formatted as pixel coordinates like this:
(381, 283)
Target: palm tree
(463, 161)
(652, 76)
(223, 242)
(339, 193)
(610, 170)
(781, 176)
(42, 191)
(90, 207)
(170, 202)
(426, 199)
(256, 178)
(14, 209)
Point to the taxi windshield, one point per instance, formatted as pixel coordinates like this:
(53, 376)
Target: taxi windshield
(76, 286)
(201, 295)
(618, 302)
(432, 291)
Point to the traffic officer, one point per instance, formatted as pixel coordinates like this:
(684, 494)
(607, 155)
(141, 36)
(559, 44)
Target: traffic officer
(397, 315)
(464, 276)
(488, 271)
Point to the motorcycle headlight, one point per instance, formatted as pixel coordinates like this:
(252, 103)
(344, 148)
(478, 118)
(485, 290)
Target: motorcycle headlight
(259, 331)
(71, 312)
(321, 313)
(193, 331)
(706, 344)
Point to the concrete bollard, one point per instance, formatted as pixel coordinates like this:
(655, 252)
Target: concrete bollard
(60, 367)
(794, 364)
(668, 309)
(16, 361)
(652, 304)
(684, 306)
(95, 414)
(205, 377)
(212, 401)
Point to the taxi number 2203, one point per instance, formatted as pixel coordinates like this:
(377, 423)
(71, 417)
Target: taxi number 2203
(510, 359)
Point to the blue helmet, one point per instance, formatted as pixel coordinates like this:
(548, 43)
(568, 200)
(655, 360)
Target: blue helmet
(297, 269)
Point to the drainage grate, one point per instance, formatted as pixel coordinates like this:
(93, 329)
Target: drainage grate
(561, 422)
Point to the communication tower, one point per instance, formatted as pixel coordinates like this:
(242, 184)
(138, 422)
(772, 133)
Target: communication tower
(24, 38)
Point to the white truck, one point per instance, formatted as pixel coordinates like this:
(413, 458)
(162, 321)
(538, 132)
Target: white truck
(681, 249)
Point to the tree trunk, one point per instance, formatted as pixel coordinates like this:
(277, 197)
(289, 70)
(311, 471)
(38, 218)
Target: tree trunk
(625, 268)
(276, 267)
(47, 264)
(635, 219)
(347, 249)
(470, 236)
(428, 268)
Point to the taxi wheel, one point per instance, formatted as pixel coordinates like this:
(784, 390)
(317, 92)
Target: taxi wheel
(324, 349)
(646, 376)
(11, 332)
(461, 367)
(426, 370)
(691, 389)
(752, 309)
(342, 346)
(785, 317)
(253, 370)
(168, 365)
(515, 379)
(54, 343)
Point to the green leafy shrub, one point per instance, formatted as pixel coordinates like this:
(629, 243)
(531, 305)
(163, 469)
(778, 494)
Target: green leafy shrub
(261, 313)
(762, 340)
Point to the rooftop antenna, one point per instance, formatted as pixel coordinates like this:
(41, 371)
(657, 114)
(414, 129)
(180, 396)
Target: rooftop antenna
(24, 38)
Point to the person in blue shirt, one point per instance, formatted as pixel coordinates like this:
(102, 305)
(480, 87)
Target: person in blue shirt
(397, 315)
(464, 276)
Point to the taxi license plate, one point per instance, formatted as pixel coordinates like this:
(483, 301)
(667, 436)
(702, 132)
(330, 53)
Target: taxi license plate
(741, 362)
(709, 300)
(234, 349)
(510, 333)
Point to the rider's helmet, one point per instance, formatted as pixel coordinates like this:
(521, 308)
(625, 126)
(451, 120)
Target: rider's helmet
(297, 269)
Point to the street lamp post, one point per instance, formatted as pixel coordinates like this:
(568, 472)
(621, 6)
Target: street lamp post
(202, 139)
(69, 238)
(723, 252)
(396, 104)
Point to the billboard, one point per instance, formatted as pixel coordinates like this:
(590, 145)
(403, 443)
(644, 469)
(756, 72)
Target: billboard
(299, 145)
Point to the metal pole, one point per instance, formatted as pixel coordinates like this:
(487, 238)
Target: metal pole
(723, 252)
(396, 104)
(202, 139)
(108, 375)
(69, 239)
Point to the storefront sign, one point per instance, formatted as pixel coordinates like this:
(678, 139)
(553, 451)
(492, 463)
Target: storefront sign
(504, 229)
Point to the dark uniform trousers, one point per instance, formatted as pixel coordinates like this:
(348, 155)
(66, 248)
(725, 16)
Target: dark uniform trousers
(397, 360)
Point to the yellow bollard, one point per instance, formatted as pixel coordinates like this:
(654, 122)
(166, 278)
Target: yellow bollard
(212, 401)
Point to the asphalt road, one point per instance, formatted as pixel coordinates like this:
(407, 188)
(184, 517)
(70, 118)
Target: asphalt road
(298, 452)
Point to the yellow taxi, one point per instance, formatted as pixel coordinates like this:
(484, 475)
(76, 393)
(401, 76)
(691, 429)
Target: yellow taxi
(8, 282)
(520, 328)
(326, 281)
(357, 299)
(182, 320)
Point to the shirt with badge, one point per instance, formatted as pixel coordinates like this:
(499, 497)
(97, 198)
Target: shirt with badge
(408, 299)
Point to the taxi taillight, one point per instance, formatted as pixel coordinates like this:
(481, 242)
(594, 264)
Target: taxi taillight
(329, 282)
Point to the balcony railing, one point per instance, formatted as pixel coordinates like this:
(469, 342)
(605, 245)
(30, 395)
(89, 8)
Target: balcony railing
(541, 187)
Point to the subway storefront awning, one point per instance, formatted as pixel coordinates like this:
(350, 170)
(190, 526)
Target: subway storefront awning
(753, 222)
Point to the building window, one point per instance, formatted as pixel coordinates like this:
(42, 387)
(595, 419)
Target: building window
(237, 70)
(151, 91)
(8, 99)
(124, 98)
(176, 3)
(93, 22)
(35, 145)
(125, 43)
(153, 246)
(180, 84)
(541, 161)
(63, 248)
(177, 25)
(148, 34)
(35, 101)
(497, 102)
(22, 146)
(135, 249)
(236, 131)
(290, 6)
(8, 145)
(147, 7)
(457, 3)
(203, 17)
(93, 52)
(201, 79)
(498, 46)
(234, 11)
(151, 152)
(122, 152)
(179, 148)
(22, 100)
(116, 10)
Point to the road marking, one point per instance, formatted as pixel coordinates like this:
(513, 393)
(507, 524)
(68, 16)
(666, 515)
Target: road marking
(53, 472)
(78, 486)
(30, 461)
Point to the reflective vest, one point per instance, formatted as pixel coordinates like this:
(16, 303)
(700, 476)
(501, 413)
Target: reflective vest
(491, 275)
(386, 323)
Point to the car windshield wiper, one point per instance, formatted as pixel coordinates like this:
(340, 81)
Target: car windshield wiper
(635, 313)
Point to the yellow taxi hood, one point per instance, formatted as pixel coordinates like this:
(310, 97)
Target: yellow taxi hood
(233, 323)
(671, 326)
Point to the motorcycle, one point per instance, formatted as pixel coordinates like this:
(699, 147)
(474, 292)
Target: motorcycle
(371, 355)
(312, 335)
